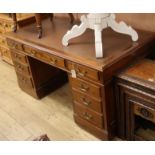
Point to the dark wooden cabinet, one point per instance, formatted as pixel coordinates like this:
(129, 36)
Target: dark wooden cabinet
(135, 92)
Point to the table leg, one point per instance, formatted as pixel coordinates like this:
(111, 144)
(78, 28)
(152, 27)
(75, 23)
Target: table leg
(75, 31)
(51, 16)
(71, 18)
(122, 27)
(38, 22)
(14, 22)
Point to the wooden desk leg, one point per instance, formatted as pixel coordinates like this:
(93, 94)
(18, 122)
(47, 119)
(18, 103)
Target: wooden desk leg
(14, 22)
(52, 15)
(71, 18)
(38, 22)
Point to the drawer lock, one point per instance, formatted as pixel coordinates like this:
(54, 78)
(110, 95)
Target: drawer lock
(145, 113)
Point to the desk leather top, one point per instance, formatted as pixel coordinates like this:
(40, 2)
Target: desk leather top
(81, 49)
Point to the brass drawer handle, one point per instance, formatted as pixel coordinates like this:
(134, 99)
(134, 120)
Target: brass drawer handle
(17, 56)
(2, 41)
(5, 25)
(87, 103)
(145, 113)
(84, 88)
(80, 73)
(24, 80)
(87, 116)
(53, 61)
(14, 46)
(5, 51)
(33, 53)
(20, 67)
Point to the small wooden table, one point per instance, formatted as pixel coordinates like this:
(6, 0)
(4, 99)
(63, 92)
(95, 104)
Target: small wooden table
(42, 64)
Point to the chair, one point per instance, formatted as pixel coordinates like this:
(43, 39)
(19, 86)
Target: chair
(38, 22)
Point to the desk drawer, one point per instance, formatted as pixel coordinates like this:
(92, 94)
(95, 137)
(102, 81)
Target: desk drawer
(83, 71)
(51, 59)
(3, 41)
(8, 27)
(145, 112)
(85, 87)
(19, 57)
(25, 81)
(56, 61)
(5, 52)
(2, 29)
(14, 45)
(21, 68)
(89, 115)
(87, 101)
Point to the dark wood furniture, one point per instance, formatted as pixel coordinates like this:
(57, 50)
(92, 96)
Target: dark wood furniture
(39, 21)
(43, 137)
(6, 24)
(135, 89)
(38, 17)
(91, 79)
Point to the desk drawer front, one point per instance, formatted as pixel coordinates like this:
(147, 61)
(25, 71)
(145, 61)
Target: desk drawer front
(83, 72)
(14, 45)
(19, 57)
(85, 87)
(145, 112)
(8, 27)
(5, 52)
(2, 29)
(89, 115)
(3, 41)
(87, 101)
(51, 59)
(25, 81)
(21, 68)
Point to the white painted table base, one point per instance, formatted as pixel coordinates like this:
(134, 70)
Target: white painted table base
(98, 22)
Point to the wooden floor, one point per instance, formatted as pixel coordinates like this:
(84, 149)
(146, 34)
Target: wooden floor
(24, 118)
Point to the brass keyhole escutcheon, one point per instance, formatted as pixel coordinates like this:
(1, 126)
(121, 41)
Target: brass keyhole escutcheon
(144, 112)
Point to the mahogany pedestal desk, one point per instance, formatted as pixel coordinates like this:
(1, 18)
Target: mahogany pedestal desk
(41, 65)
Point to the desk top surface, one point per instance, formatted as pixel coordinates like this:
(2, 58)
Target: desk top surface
(141, 73)
(81, 49)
